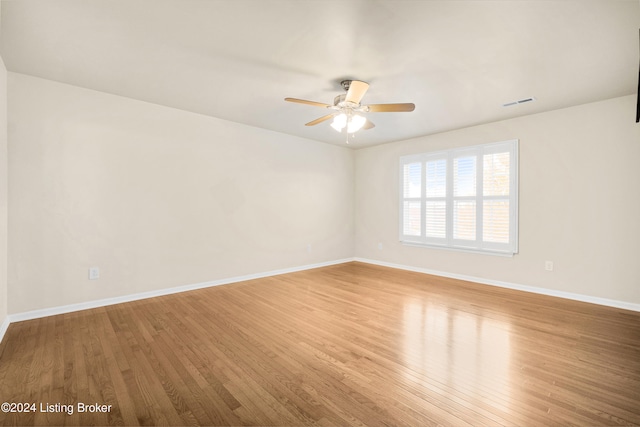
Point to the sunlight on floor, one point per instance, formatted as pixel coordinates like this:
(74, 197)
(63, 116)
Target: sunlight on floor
(462, 350)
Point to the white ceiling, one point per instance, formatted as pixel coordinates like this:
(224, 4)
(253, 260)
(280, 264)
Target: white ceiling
(458, 61)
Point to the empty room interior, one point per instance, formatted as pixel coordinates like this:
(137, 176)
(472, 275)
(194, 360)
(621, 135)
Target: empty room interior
(317, 212)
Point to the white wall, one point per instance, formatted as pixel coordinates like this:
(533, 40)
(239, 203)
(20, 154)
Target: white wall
(3, 196)
(579, 202)
(157, 197)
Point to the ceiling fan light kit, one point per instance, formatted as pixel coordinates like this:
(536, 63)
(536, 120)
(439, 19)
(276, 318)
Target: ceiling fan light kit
(339, 122)
(353, 122)
(349, 110)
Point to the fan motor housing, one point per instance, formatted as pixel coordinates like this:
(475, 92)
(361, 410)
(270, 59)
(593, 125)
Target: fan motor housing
(340, 101)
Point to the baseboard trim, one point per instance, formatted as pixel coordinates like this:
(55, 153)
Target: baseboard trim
(36, 314)
(4, 327)
(525, 288)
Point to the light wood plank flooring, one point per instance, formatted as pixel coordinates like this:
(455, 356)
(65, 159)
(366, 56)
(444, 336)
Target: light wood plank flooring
(351, 344)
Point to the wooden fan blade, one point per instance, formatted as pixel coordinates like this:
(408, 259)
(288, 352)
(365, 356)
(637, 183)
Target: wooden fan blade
(368, 125)
(320, 120)
(304, 101)
(390, 108)
(356, 91)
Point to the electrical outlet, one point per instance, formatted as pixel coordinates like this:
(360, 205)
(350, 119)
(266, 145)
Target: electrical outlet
(94, 273)
(548, 265)
(380, 246)
(309, 247)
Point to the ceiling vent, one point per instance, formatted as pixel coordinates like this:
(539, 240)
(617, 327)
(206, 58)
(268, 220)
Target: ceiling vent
(520, 101)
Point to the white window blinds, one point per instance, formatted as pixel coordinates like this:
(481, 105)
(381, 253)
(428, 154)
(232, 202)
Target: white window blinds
(463, 198)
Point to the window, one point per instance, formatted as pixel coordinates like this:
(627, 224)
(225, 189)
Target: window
(465, 198)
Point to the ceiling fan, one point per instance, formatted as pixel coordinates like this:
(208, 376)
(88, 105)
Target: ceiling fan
(347, 108)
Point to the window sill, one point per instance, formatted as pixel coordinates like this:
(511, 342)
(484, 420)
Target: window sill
(460, 249)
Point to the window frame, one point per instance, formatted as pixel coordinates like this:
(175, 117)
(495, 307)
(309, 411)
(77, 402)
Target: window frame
(448, 242)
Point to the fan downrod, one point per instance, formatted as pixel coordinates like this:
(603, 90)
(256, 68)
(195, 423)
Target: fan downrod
(346, 84)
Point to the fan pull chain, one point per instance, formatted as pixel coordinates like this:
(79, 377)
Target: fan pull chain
(353, 135)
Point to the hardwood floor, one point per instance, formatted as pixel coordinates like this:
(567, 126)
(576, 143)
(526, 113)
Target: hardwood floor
(351, 344)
